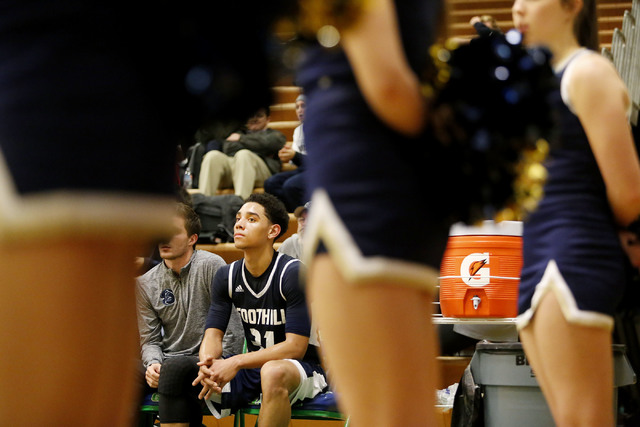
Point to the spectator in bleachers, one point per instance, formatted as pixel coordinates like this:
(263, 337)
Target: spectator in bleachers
(281, 364)
(573, 274)
(248, 157)
(173, 299)
(292, 246)
(289, 186)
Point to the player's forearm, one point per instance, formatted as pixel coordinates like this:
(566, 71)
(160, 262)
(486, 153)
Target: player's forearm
(295, 349)
(211, 346)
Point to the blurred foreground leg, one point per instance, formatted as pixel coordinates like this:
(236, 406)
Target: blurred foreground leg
(378, 345)
(68, 330)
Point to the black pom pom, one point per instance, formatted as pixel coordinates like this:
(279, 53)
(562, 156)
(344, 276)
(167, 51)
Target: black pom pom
(493, 108)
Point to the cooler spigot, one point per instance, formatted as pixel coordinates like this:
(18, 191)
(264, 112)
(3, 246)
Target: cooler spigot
(476, 301)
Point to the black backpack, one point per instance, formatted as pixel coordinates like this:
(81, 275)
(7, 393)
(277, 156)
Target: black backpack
(217, 215)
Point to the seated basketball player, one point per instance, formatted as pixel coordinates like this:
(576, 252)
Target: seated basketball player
(282, 361)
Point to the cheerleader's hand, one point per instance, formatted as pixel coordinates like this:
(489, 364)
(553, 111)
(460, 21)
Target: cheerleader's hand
(631, 245)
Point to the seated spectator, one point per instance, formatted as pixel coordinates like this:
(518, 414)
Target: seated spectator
(248, 157)
(289, 186)
(173, 298)
(292, 246)
(282, 363)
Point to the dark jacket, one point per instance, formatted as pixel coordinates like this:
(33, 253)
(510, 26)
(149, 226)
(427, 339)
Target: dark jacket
(265, 143)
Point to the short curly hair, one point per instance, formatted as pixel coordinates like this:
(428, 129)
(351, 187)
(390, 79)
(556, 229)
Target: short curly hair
(274, 209)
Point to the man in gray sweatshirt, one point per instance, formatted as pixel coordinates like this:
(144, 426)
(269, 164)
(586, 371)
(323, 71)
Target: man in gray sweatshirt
(173, 299)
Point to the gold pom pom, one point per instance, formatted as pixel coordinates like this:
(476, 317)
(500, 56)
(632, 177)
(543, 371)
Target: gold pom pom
(528, 186)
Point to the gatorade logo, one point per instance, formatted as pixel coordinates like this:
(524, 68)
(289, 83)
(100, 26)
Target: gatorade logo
(474, 269)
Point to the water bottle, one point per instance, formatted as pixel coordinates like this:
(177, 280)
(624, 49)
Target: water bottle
(187, 179)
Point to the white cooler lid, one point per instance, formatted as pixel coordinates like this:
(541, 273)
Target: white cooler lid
(487, 228)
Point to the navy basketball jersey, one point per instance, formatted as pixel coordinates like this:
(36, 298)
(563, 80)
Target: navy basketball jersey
(270, 305)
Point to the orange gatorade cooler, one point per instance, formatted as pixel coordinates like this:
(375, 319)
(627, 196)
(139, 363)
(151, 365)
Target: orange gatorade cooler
(480, 270)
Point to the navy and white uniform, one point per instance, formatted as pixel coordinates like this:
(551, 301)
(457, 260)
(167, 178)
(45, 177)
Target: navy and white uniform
(570, 242)
(270, 306)
(366, 179)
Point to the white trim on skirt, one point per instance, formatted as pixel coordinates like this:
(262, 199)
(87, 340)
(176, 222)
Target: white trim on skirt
(68, 213)
(324, 225)
(552, 281)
